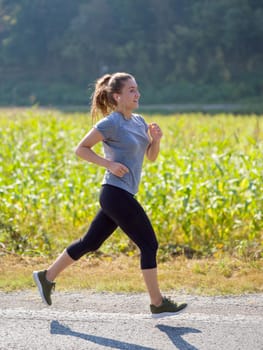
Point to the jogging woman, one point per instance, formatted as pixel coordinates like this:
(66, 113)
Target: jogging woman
(126, 139)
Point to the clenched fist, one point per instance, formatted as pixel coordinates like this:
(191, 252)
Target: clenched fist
(155, 131)
(118, 169)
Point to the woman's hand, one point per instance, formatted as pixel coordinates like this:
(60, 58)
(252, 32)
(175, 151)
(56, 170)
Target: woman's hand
(118, 169)
(154, 146)
(155, 132)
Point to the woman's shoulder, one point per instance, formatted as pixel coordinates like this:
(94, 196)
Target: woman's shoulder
(111, 118)
(108, 126)
(139, 119)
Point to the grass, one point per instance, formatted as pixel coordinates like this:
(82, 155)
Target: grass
(219, 276)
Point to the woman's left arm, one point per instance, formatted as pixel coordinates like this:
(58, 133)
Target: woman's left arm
(154, 147)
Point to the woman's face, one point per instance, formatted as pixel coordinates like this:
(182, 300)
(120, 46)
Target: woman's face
(129, 96)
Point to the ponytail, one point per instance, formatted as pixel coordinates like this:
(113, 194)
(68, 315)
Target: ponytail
(102, 99)
(99, 98)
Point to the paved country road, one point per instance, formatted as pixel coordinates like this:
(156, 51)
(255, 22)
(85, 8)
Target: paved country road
(86, 320)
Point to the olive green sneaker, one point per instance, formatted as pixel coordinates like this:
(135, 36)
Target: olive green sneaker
(45, 287)
(167, 308)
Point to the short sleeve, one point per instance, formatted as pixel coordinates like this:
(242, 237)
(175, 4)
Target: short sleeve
(107, 127)
(144, 123)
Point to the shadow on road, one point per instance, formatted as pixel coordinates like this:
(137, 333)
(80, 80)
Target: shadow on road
(174, 333)
(58, 328)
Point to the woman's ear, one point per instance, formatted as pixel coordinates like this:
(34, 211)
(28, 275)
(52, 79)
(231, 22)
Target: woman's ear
(116, 97)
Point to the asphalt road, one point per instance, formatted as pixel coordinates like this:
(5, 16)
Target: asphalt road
(86, 320)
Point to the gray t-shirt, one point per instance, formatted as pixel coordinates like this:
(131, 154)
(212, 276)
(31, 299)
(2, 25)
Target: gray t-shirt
(125, 141)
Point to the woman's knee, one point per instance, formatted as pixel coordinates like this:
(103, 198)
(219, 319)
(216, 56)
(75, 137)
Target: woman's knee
(81, 247)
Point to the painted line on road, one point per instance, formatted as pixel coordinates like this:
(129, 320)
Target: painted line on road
(86, 315)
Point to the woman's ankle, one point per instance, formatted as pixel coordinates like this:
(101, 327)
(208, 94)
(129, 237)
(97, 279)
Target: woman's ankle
(157, 302)
(49, 276)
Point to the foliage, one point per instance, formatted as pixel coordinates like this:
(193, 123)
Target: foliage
(203, 194)
(195, 50)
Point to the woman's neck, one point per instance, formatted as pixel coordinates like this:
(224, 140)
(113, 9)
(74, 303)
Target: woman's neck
(127, 114)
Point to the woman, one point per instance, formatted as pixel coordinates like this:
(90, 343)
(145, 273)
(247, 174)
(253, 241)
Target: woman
(126, 139)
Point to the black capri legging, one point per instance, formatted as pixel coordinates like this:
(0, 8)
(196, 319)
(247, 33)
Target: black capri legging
(118, 208)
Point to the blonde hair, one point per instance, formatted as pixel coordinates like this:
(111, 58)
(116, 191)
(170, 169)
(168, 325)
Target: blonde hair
(102, 99)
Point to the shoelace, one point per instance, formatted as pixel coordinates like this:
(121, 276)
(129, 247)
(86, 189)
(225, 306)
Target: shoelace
(169, 300)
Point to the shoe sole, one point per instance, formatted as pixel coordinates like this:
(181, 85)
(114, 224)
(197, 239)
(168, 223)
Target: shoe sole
(168, 314)
(39, 286)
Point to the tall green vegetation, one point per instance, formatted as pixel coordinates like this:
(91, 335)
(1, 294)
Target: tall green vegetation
(180, 51)
(203, 194)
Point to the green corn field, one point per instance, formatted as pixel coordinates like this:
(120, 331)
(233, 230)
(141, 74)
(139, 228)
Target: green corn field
(204, 194)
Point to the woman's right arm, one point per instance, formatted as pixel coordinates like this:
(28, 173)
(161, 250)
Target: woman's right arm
(84, 151)
(84, 148)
